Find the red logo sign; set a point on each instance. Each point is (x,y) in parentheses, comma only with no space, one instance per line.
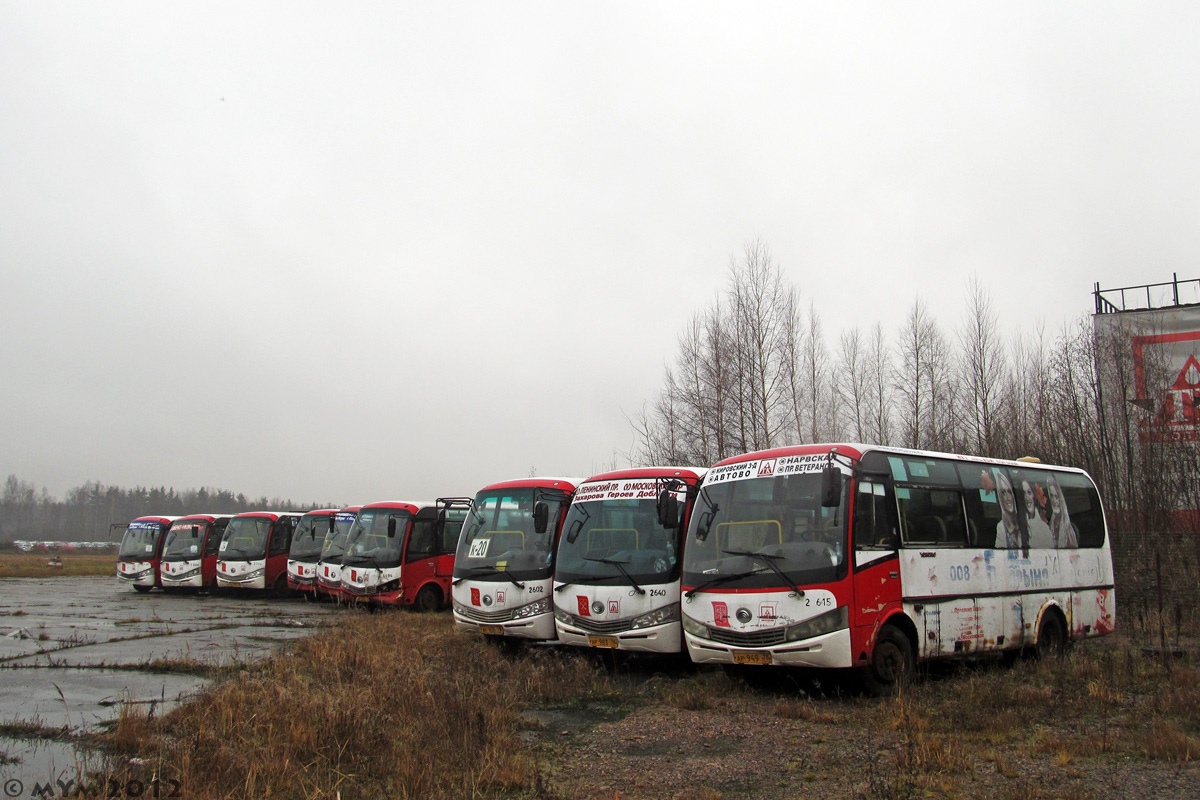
(766,468)
(720,613)
(614,606)
(584,611)
(474,597)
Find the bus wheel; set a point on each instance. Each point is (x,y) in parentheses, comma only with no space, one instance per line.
(281,587)
(892,662)
(428,599)
(139,588)
(1052,636)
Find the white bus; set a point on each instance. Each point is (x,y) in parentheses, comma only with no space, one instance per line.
(875,558)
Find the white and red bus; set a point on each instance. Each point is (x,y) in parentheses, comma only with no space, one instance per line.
(140,557)
(401,553)
(305,551)
(329,565)
(504,571)
(876,558)
(254,550)
(189,559)
(616,577)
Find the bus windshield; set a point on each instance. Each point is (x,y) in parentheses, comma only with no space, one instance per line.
(140,539)
(368,541)
(614,541)
(181,543)
(765,532)
(335,540)
(245,538)
(309,537)
(498,536)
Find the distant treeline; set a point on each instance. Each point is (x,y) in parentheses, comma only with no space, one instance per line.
(88,511)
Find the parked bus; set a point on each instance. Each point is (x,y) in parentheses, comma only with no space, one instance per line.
(329,566)
(876,558)
(189,559)
(401,553)
(254,550)
(616,578)
(305,552)
(140,557)
(505,564)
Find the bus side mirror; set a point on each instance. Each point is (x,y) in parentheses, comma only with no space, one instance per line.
(541,517)
(831,487)
(391,527)
(573,531)
(195,532)
(332,523)
(668,509)
(702,526)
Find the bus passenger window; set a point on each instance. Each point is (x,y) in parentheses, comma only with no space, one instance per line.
(871,526)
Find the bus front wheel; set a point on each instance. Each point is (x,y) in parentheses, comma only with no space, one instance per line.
(892,662)
(428,599)
(137,587)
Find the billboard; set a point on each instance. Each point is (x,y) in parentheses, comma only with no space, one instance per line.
(1152,358)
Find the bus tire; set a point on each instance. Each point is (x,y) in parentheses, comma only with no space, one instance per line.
(428,599)
(1052,636)
(139,588)
(892,662)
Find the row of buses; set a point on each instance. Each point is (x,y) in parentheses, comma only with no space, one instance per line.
(838,556)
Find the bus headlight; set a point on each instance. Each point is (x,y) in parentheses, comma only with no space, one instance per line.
(659,616)
(390,586)
(533,609)
(562,616)
(828,622)
(697,629)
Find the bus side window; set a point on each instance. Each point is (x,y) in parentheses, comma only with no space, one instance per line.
(871,525)
(421,541)
(948,510)
(983,509)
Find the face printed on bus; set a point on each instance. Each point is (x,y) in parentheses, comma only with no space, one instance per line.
(1030,500)
(1004,490)
(1056,499)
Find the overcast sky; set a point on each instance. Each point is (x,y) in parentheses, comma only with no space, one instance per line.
(346,252)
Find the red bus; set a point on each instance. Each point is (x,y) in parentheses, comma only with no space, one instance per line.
(254,551)
(189,559)
(505,563)
(616,578)
(876,558)
(305,551)
(140,556)
(401,553)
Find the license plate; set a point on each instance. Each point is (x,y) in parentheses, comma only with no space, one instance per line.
(491,630)
(603,641)
(751,657)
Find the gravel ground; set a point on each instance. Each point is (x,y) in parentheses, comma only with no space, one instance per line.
(768,743)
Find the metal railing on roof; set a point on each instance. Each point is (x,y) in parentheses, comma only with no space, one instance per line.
(1148,296)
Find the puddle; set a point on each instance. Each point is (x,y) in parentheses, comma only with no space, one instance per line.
(30,765)
(543,723)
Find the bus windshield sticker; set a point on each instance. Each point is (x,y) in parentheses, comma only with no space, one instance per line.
(902,493)
(918,469)
(898,471)
(479,548)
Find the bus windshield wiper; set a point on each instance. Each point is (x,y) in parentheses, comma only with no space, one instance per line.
(228,551)
(620,566)
(733,576)
(480,571)
(769,560)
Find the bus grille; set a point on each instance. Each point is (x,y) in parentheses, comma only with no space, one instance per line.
(755,639)
(597,626)
(485,616)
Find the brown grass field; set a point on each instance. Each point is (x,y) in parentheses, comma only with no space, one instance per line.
(401,705)
(15,564)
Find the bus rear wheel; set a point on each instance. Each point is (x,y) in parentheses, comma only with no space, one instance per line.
(1052,636)
(892,662)
(428,599)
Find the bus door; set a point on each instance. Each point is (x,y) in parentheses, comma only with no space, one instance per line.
(876,536)
(421,551)
(277,550)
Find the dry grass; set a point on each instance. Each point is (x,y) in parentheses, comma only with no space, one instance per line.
(385,705)
(33,565)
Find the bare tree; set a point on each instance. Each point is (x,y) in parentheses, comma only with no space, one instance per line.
(982,363)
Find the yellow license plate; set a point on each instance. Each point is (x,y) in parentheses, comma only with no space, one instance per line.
(603,641)
(491,630)
(751,657)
